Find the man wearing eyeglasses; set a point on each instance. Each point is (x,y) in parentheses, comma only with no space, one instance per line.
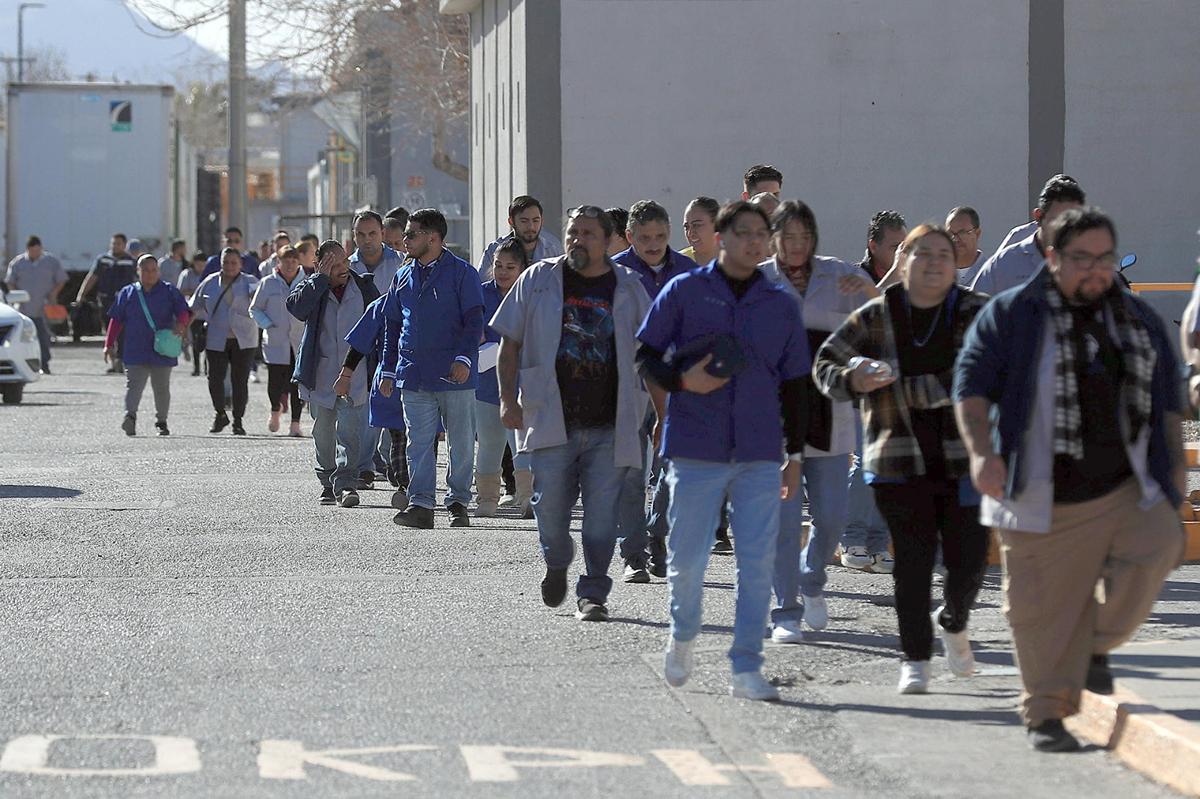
(568,330)
(963,224)
(432,329)
(1074,378)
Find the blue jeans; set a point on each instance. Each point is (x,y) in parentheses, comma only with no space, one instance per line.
(43,334)
(582,466)
(865,526)
(373,456)
(698,489)
(422,412)
(492,436)
(337,435)
(632,523)
(799,572)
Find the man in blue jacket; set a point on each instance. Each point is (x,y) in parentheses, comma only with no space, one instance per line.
(648,231)
(432,329)
(741,357)
(233,238)
(1068,397)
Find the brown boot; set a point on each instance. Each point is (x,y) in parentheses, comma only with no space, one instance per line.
(524,479)
(487,490)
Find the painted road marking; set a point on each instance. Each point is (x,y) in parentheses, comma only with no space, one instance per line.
(492,763)
(693,768)
(284,760)
(29,754)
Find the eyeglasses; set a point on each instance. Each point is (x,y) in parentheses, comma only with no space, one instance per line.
(412,234)
(958,234)
(586,211)
(1086,262)
(756,235)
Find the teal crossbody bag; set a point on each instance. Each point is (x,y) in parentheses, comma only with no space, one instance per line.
(166,342)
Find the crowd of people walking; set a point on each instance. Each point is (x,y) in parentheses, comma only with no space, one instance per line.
(747,394)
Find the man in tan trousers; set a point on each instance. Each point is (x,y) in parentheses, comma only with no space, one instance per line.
(1070,402)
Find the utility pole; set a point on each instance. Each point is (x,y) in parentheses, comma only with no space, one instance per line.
(21,38)
(237,114)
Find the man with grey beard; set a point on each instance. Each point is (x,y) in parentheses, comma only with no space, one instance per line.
(568,328)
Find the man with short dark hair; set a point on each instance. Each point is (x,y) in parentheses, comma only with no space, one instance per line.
(267,266)
(884,234)
(432,329)
(568,329)
(171,266)
(525,220)
(1026,229)
(393,234)
(1068,398)
(739,365)
(112,271)
(41,275)
(233,238)
(963,224)
(1016,263)
(761,178)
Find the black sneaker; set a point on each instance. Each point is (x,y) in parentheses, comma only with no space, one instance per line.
(129,425)
(415,516)
(220,422)
(658,557)
(723,546)
(591,610)
(635,572)
(1052,736)
(554,587)
(238,430)
(327,497)
(458,515)
(46,369)
(348,498)
(1099,676)
(162,428)
(366,478)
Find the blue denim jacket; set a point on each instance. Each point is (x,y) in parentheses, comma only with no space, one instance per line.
(998,362)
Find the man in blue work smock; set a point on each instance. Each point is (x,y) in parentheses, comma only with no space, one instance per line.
(738,369)
(432,329)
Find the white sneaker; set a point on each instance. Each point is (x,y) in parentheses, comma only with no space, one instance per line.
(957,647)
(914,677)
(882,563)
(816,612)
(678,664)
(856,558)
(939,574)
(787,631)
(752,685)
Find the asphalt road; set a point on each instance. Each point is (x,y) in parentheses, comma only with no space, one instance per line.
(181,618)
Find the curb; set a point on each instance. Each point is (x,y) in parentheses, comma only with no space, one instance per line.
(1160,746)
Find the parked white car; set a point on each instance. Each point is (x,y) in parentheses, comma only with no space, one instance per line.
(20,355)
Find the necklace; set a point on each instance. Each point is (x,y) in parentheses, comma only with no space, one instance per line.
(928,333)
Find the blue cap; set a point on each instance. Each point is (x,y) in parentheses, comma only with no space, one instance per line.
(135,245)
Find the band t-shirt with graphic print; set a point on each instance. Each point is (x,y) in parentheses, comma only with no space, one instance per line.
(586,364)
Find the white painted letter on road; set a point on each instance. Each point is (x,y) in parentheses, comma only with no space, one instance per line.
(693,768)
(29,754)
(493,764)
(285,760)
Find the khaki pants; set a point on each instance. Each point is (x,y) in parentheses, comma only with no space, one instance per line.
(1082,589)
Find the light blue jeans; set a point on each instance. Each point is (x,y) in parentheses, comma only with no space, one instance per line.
(799,572)
(632,532)
(865,526)
(492,436)
(582,466)
(456,411)
(373,456)
(698,489)
(337,435)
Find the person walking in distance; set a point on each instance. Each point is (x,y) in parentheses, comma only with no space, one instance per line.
(41,275)
(761,178)
(964,227)
(282,333)
(112,271)
(231,336)
(233,240)
(525,217)
(434,322)
(567,332)
(173,264)
(738,368)
(393,234)
(330,303)
(189,281)
(1068,397)
(699,228)
(827,290)
(142,311)
(617,243)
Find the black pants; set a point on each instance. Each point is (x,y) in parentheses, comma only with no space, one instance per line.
(238,361)
(919,514)
(397,468)
(279,382)
(506,469)
(199,330)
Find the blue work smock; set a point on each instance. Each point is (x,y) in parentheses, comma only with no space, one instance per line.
(431,323)
(741,421)
(675,264)
(489,381)
(366,338)
(166,305)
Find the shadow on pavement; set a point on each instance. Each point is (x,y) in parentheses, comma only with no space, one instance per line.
(37,492)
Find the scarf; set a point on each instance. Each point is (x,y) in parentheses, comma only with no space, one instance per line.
(1137,353)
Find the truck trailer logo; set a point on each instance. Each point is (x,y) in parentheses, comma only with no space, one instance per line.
(120,113)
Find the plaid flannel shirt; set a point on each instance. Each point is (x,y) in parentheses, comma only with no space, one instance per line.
(890,448)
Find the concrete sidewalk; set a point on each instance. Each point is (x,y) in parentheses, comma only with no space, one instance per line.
(1152,722)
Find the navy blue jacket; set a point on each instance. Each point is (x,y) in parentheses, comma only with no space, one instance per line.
(676,264)
(307,303)
(249,264)
(998,362)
